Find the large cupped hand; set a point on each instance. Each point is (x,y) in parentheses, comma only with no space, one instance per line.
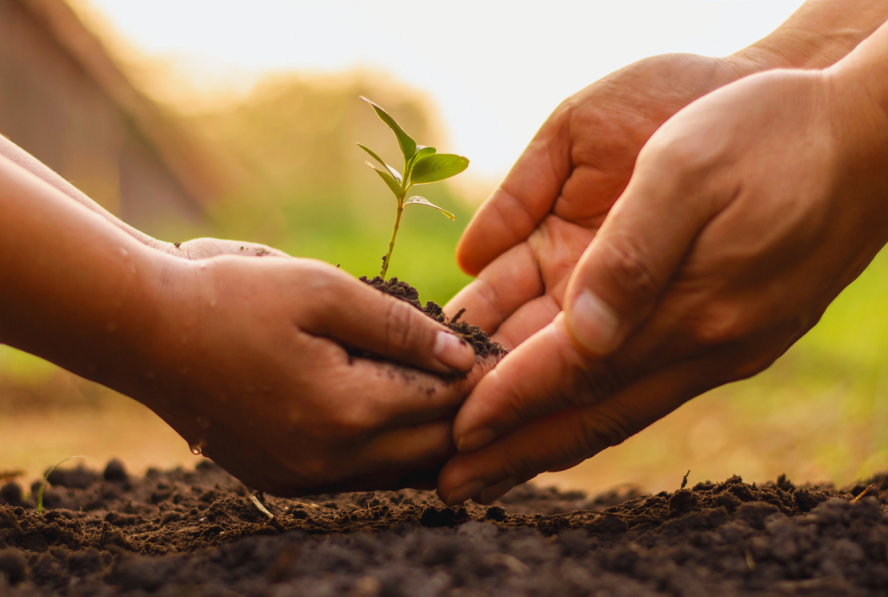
(747,214)
(527,238)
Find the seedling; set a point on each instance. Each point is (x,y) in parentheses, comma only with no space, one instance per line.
(422,165)
(46,476)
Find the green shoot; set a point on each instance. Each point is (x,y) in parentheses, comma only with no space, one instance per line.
(422,165)
(46,476)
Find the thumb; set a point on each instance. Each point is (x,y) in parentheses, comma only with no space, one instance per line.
(363,317)
(632,259)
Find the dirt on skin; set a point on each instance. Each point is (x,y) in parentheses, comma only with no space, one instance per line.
(483,345)
(198,533)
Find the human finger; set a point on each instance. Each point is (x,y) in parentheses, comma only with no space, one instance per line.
(522,200)
(362,317)
(393,396)
(404,457)
(535,379)
(510,281)
(409,448)
(622,273)
(574,434)
(529,319)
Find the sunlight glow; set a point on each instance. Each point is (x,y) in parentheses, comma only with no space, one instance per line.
(494,70)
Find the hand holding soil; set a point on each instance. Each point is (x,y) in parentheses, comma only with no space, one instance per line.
(253,371)
(747,213)
(244,357)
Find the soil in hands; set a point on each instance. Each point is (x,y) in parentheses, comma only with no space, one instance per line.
(198,533)
(483,345)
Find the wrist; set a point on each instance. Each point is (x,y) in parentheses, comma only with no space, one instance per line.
(858,101)
(790,51)
(817,36)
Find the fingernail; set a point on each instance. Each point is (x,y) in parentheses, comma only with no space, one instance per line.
(464,492)
(495,492)
(593,324)
(474,440)
(453,352)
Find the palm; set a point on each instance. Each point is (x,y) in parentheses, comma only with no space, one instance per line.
(527,238)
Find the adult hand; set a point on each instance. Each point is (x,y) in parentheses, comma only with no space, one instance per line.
(525,241)
(249,365)
(747,214)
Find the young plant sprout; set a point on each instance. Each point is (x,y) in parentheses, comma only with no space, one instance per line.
(422,165)
(46,476)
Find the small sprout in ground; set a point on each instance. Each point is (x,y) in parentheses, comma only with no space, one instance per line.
(863,493)
(422,165)
(256,498)
(684,481)
(46,476)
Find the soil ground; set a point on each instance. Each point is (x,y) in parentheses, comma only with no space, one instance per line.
(198,533)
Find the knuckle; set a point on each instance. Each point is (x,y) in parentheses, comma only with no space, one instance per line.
(629,269)
(323,289)
(683,158)
(719,324)
(351,422)
(402,328)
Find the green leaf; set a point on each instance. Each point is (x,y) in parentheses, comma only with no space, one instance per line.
(417,200)
(437,167)
(392,171)
(389,180)
(373,155)
(421,152)
(408,145)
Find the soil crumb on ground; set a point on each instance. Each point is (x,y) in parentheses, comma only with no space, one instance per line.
(483,345)
(198,533)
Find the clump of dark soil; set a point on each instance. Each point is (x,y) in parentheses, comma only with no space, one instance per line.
(483,345)
(198,533)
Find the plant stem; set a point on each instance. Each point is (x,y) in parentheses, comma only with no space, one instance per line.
(388,256)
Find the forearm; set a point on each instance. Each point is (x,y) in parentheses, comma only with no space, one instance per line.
(817,35)
(858,87)
(31,164)
(75,290)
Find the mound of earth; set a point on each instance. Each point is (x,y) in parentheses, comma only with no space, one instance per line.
(199,533)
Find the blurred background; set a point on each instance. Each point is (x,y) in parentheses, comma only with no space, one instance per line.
(208,117)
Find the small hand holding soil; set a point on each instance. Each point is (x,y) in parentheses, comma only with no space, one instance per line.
(248,364)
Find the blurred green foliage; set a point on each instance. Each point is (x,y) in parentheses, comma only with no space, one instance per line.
(307,190)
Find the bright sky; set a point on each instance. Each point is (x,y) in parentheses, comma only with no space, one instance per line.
(495,69)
